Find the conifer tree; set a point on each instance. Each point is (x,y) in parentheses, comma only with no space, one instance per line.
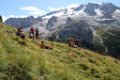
(0,18)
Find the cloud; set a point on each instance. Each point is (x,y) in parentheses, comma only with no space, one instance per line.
(32,10)
(69,7)
(12,16)
(21,16)
(54,9)
(73,5)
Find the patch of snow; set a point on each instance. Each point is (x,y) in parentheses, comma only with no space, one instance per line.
(64,12)
(101,4)
(104,19)
(68,12)
(117,11)
(72,6)
(99,13)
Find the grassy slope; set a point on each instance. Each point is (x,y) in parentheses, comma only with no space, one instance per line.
(29,62)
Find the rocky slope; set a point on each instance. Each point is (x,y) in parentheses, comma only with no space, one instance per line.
(21,22)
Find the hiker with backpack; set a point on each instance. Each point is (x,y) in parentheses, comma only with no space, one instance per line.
(37,33)
(31,34)
(22,35)
(19,31)
(73,43)
(44,46)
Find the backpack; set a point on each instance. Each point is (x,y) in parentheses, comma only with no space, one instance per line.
(31,35)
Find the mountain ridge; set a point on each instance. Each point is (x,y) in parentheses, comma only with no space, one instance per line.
(89,7)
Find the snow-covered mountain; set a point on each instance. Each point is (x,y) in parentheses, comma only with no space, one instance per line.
(87,23)
(104,14)
(98,12)
(90,9)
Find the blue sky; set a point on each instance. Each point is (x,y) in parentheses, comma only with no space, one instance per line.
(22,8)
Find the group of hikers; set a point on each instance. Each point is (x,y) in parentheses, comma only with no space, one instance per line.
(73,42)
(34,33)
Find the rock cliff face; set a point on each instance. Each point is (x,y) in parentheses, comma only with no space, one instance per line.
(80,30)
(21,22)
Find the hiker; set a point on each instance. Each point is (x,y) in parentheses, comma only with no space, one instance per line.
(19,32)
(72,43)
(43,46)
(77,42)
(31,34)
(22,35)
(37,33)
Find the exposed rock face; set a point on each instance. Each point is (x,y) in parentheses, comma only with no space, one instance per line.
(51,22)
(107,9)
(90,9)
(21,22)
(80,31)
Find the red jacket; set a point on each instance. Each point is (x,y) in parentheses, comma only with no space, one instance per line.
(32,29)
